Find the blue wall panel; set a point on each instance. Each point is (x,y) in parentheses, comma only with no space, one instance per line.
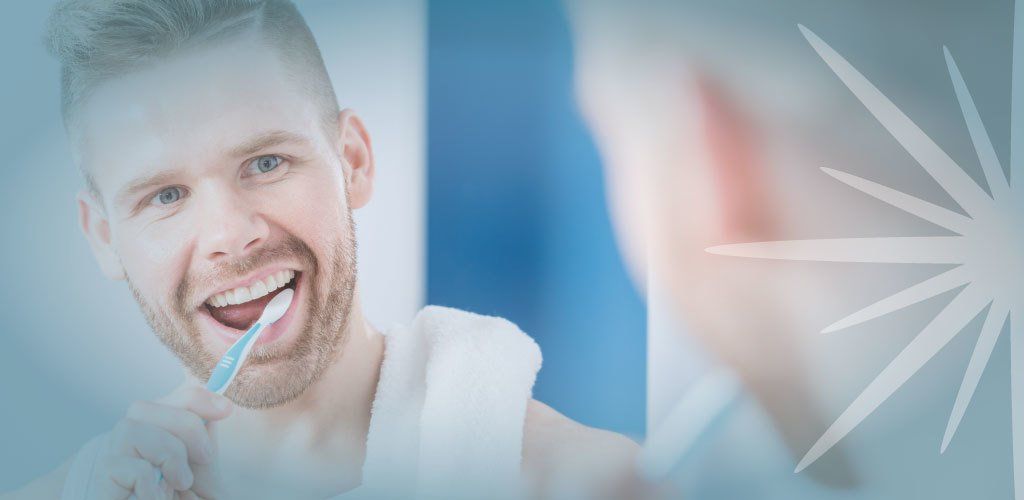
(517,222)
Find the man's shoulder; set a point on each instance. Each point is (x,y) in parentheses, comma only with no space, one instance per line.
(50,485)
(549,432)
(564,456)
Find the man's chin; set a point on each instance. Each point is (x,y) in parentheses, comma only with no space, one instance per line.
(272,384)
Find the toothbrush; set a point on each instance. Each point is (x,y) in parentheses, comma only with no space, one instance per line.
(232,360)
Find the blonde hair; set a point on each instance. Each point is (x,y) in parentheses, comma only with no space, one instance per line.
(99,39)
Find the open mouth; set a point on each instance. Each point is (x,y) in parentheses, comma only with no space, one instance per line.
(240,307)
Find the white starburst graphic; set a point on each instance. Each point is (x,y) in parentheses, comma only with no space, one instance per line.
(988,251)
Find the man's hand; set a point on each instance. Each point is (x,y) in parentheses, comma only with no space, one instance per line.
(171,436)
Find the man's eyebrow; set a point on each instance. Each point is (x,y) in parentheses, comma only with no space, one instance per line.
(144,183)
(266,140)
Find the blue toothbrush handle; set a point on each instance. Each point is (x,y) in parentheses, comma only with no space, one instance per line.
(227,367)
(225,371)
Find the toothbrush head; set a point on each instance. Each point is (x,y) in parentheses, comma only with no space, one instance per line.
(276,307)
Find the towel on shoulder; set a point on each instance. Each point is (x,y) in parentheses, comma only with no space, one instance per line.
(451,402)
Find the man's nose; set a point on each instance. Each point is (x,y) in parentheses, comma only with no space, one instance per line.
(230,228)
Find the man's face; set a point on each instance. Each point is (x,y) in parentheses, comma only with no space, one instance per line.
(219,182)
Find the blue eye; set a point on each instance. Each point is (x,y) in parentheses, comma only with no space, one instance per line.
(168,196)
(265,164)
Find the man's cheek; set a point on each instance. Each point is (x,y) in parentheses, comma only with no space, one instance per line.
(153,275)
(321,221)
(162,242)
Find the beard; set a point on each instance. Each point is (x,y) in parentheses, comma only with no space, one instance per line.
(272,375)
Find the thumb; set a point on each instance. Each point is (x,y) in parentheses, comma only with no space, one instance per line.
(208,405)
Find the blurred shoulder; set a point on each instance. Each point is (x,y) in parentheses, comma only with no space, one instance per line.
(50,485)
(562,457)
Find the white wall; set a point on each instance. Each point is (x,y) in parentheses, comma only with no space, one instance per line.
(376,55)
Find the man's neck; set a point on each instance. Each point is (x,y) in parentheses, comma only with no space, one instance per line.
(340,400)
(327,425)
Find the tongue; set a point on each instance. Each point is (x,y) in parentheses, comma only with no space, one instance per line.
(242,316)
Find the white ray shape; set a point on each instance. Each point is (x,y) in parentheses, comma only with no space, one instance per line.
(929,155)
(979,135)
(924,290)
(1017,102)
(990,331)
(964,307)
(998,245)
(887,250)
(915,206)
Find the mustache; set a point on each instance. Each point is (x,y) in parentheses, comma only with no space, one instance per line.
(291,247)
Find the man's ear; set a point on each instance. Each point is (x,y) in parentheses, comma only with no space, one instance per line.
(97,231)
(744,195)
(357,152)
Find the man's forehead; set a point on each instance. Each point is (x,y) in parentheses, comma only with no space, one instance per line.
(195,105)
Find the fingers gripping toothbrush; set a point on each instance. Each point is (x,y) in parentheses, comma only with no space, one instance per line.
(232,361)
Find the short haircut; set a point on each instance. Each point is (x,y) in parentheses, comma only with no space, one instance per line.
(98,39)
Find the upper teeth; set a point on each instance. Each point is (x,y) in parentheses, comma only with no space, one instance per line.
(244,294)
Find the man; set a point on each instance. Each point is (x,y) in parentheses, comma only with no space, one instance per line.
(686,171)
(219,171)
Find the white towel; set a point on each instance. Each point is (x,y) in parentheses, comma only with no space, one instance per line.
(447,419)
(450,407)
